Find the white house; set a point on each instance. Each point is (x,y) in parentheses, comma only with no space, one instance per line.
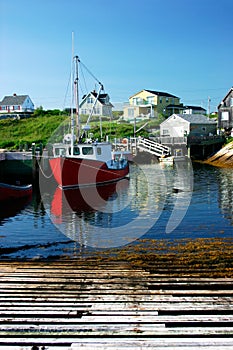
(16,104)
(180,125)
(193,110)
(102,106)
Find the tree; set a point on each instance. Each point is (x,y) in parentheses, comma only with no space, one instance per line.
(38,112)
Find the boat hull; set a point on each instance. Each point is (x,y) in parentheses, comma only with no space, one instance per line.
(10,192)
(75,172)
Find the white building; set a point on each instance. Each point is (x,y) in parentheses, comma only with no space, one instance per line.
(16,104)
(102,106)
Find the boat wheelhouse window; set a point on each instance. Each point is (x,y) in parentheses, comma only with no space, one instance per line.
(60,151)
(99,151)
(76,151)
(87,150)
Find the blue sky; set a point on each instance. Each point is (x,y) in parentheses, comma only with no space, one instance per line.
(182,47)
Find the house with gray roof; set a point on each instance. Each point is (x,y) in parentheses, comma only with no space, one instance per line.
(180,125)
(16,104)
(190,134)
(102,106)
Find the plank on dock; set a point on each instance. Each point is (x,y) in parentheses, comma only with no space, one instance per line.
(111,306)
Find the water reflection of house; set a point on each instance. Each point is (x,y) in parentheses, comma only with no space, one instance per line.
(190,133)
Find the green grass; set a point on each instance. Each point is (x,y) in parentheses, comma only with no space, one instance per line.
(15,134)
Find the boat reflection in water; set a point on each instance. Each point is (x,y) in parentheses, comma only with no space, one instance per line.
(11,208)
(88,215)
(111,215)
(83,200)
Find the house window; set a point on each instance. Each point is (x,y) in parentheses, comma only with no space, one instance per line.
(150,99)
(165,132)
(231,102)
(160,100)
(90,100)
(130,112)
(225,116)
(167,99)
(137,101)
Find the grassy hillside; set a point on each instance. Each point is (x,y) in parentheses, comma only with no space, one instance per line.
(14,133)
(17,133)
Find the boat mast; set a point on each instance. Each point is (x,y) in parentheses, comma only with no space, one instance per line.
(76,92)
(72,98)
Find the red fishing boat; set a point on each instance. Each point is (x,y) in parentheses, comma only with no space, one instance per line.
(11,192)
(85,161)
(88,165)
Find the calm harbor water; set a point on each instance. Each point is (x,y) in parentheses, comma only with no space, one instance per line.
(159,202)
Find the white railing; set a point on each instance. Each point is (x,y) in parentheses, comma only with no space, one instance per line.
(152,147)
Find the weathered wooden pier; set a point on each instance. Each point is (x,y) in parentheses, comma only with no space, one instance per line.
(83,304)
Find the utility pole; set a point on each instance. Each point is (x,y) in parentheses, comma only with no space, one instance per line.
(209,106)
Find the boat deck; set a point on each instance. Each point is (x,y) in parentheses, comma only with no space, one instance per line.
(72,304)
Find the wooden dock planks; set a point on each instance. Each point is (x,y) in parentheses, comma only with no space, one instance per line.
(88,305)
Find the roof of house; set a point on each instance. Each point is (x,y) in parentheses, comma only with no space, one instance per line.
(191,118)
(195,118)
(160,93)
(101,98)
(228,93)
(197,108)
(100,95)
(171,106)
(13,100)
(157,93)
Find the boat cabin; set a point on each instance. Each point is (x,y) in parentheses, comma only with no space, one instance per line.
(94,151)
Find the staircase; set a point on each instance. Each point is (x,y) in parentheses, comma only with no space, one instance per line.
(152,147)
